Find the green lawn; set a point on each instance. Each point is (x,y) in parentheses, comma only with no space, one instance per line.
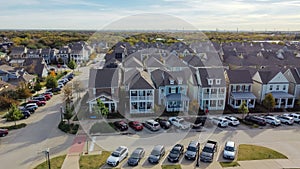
(177,166)
(102,127)
(253,152)
(55,162)
(93,161)
(229,164)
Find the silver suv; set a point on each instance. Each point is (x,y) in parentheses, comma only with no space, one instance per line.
(117,156)
(220,121)
(192,150)
(296,117)
(152,125)
(233,121)
(286,119)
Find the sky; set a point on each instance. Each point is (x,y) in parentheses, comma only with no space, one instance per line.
(248,15)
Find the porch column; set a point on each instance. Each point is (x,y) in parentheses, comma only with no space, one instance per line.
(293,102)
(234,103)
(286,102)
(109,107)
(278,106)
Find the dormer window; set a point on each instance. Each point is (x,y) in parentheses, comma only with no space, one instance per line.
(171,81)
(180,81)
(218,81)
(210,81)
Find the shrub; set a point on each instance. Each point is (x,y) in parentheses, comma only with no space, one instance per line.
(14,127)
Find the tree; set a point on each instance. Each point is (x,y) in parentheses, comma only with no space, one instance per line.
(243,108)
(72,64)
(51,82)
(14,114)
(269,102)
(78,87)
(6,102)
(68,94)
(103,109)
(194,106)
(23,90)
(68,114)
(37,86)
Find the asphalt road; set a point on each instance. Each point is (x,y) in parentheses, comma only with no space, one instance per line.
(23,148)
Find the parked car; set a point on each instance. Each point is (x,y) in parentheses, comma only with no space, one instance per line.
(229,150)
(47,96)
(31,105)
(41,98)
(152,125)
(198,123)
(38,102)
(296,117)
(3,132)
(208,152)
(53,90)
(233,121)
(176,153)
(136,157)
(156,154)
(220,121)
(165,124)
(179,122)
(272,120)
(30,109)
(117,156)
(286,119)
(256,119)
(192,150)
(121,125)
(137,126)
(60,85)
(26,114)
(48,93)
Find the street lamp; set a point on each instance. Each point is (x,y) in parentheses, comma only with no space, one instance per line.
(61,113)
(47,155)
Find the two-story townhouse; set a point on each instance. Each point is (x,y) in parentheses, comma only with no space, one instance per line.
(33,53)
(141,93)
(274,82)
(18,52)
(63,55)
(46,54)
(8,72)
(104,85)
(293,76)
(212,88)
(171,90)
(239,88)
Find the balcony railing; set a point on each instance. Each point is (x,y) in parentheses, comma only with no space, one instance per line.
(209,96)
(135,98)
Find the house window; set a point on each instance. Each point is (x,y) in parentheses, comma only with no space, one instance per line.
(218,81)
(284,87)
(173,90)
(277,87)
(210,81)
(171,81)
(271,87)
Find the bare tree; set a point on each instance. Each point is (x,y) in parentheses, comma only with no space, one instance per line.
(68,94)
(78,87)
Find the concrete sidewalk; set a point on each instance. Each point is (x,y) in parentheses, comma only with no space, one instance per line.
(268,164)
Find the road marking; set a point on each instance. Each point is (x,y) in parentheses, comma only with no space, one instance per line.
(92,145)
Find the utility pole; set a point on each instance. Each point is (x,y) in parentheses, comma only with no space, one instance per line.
(47,155)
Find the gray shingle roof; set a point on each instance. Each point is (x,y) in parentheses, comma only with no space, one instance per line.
(141,80)
(266,76)
(239,76)
(211,73)
(104,78)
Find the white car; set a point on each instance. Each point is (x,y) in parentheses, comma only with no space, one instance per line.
(296,117)
(286,119)
(117,156)
(229,150)
(34,105)
(233,121)
(272,120)
(220,121)
(179,122)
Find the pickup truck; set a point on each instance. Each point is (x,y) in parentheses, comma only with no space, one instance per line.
(179,122)
(208,151)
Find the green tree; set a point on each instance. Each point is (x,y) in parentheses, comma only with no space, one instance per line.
(72,64)
(14,114)
(37,86)
(269,102)
(102,108)
(243,109)
(51,82)
(68,114)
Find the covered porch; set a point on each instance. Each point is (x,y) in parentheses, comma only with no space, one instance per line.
(107,101)
(283,100)
(237,98)
(177,102)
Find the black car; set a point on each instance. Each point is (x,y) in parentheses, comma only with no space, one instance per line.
(30,109)
(156,154)
(26,114)
(199,122)
(165,124)
(256,119)
(121,125)
(176,153)
(136,156)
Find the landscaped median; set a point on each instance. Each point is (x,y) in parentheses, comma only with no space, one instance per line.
(56,163)
(14,127)
(248,152)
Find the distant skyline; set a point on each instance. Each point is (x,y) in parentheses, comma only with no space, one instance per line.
(245,15)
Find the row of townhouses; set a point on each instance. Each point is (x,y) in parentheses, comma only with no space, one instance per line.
(135,79)
(77,51)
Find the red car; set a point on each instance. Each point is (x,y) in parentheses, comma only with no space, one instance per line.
(47,96)
(137,126)
(3,132)
(38,102)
